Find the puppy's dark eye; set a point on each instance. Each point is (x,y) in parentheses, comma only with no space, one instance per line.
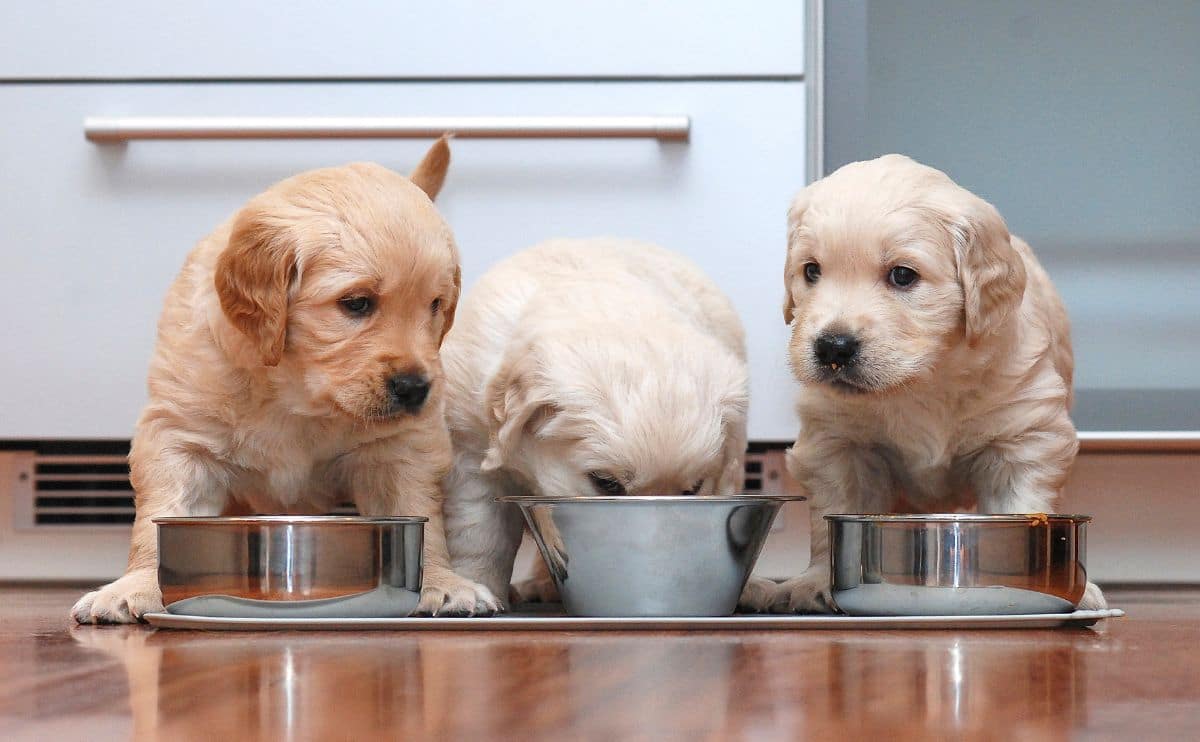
(606,484)
(902,276)
(435,306)
(812,272)
(357,306)
(695,489)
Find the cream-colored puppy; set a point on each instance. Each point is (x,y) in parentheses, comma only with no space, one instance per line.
(934,354)
(587,366)
(297,366)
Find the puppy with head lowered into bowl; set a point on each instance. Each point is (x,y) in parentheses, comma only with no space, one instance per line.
(933,352)
(297,365)
(582,367)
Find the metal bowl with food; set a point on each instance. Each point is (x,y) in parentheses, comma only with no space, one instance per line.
(281,566)
(669,555)
(957,564)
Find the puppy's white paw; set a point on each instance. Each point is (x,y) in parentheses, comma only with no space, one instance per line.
(1093,599)
(534,590)
(757,596)
(808,593)
(447,594)
(124,601)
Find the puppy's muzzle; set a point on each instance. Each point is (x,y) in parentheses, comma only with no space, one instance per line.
(407,392)
(836,350)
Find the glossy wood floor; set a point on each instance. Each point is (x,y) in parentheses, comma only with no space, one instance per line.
(1136,678)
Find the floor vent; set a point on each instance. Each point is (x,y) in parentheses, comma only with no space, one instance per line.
(766,472)
(73,489)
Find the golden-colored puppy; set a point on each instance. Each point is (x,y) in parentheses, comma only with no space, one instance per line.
(297,366)
(934,353)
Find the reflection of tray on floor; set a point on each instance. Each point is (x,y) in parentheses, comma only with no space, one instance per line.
(550,620)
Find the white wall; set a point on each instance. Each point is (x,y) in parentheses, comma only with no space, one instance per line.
(1077,119)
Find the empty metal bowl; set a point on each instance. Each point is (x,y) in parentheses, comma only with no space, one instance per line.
(298,566)
(961,565)
(650,555)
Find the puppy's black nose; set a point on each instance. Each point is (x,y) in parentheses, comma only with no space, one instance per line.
(408,391)
(835,350)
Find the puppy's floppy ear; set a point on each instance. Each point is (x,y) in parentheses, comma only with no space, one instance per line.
(516,406)
(990,270)
(253,275)
(430,173)
(452,301)
(791,267)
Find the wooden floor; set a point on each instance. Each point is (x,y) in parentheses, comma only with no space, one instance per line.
(1136,678)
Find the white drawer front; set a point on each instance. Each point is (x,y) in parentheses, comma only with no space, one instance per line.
(93,234)
(232,39)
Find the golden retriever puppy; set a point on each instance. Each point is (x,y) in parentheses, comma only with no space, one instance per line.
(297,366)
(934,356)
(579,367)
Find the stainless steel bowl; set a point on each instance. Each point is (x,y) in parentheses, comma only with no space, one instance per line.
(648,555)
(277,566)
(963,565)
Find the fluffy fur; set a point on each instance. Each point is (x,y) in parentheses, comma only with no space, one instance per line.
(587,356)
(268,394)
(960,391)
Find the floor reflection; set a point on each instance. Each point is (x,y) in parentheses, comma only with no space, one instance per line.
(678,686)
(458,685)
(263,685)
(958,684)
(464,685)
(928,684)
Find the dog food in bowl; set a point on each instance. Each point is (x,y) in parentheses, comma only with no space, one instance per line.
(956,564)
(671,555)
(290,566)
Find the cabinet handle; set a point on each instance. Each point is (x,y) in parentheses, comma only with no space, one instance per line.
(106,129)
(1129,441)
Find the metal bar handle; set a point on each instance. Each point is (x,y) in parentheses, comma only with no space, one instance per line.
(1134,441)
(108,129)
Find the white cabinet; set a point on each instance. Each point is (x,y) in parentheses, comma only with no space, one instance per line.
(378,39)
(94,233)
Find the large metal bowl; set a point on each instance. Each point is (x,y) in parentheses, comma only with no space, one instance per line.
(279,566)
(650,555)
(924,565)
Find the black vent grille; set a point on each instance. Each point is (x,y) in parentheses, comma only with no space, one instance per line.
(766,470)
(754,473)
(81,490)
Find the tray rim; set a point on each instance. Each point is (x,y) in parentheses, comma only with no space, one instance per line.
(538,622)
(757,498)
(288,520)
(953,518)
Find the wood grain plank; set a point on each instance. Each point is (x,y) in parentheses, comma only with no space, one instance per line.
(1137,677)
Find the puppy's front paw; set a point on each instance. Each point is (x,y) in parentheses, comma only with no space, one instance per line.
(124,601)
(757,596)
(808,593)
(1093,599)
(447,594)
(534,590)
